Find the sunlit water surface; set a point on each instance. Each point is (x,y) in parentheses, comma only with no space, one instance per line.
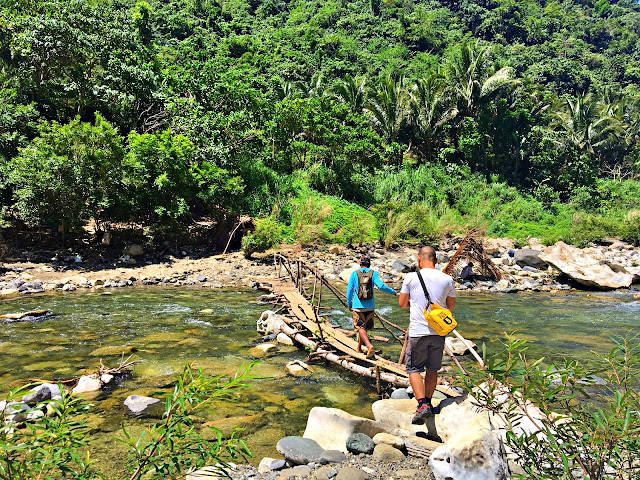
(215,329)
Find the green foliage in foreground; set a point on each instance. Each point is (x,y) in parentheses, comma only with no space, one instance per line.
(57,447)
(585,430)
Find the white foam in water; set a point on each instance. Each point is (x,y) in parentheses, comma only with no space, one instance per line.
(198,322)
(174,308)
(385,310)
(336,312)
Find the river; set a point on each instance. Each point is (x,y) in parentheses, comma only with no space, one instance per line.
(214,329)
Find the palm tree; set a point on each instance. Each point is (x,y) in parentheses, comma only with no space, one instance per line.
(284,90)
(431,110)
(314,87)
(352,91)
(588,123)
(473,81)
(388,108)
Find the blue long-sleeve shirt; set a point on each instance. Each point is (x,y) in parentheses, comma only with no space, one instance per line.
(352,290)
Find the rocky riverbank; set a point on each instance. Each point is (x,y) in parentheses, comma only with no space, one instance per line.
(535,268)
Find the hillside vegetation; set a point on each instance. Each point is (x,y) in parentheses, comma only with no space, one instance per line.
(331,120)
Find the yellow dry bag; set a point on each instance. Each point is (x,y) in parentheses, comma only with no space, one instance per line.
(439,318)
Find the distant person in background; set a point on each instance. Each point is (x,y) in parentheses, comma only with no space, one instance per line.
(361,302)
(467,274)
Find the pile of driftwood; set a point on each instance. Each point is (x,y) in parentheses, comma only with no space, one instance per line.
(471,249)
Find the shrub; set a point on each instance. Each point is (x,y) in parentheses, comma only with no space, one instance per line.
(631,227)
(584,430)
(587,228)
(267,234)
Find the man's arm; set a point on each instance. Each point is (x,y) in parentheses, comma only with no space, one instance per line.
(377,281)
(351,288)
(403,300)
(451,303)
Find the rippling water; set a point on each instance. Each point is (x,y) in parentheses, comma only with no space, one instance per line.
(166,328)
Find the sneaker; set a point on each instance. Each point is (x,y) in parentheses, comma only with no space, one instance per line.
(422,413)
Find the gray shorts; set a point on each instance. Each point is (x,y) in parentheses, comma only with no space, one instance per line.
(424,353)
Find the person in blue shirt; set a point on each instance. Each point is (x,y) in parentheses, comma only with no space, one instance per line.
(361,302)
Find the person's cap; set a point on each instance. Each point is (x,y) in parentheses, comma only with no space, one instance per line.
(365,261)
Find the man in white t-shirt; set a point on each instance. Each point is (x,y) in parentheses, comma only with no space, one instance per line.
(424,345)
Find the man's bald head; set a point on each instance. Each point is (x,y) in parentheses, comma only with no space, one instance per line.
(427,254)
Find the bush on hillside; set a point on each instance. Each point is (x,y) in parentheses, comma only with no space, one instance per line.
(631,227)
(267,234)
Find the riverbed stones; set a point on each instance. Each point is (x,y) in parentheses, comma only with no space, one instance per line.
(351,473)
(360,443)
(142,406)
(332,456)
(299,450)
(332,427)
(299,471)
(269,323)
(388,439)
(41,393)
(268,464)
(87,383)
(584,268)
(387,453)
(324,473)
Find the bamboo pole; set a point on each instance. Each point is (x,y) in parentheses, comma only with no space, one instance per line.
(471,349)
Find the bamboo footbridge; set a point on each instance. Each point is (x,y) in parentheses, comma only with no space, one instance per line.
(298,290)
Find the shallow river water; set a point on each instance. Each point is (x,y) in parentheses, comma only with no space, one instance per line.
(214,329)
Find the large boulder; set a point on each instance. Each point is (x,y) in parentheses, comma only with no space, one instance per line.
(583,268)
(395,415)
(474,453)
(87,383)
(528,257)
(133,250)
(299,451)
(331,427)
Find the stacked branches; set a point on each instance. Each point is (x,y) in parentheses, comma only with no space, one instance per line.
(472,249)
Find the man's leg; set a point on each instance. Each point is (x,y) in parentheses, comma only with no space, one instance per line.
(430,382)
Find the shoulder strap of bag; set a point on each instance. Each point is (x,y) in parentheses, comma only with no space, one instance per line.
(424,288)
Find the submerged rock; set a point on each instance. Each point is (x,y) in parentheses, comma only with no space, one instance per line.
(32,316)
(298,368)
(142,406)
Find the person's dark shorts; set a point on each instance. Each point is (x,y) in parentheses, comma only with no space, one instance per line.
(363,320)
(424,353)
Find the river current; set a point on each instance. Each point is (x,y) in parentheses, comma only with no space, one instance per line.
(214,329)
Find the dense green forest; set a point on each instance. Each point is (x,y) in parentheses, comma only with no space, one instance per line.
(328,120)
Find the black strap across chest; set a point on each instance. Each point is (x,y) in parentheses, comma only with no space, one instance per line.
(424,288)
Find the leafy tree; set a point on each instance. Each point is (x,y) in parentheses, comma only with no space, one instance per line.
(68,174)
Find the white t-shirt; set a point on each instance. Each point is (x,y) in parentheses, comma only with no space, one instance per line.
(439,285)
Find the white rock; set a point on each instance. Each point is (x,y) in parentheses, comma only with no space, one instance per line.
(284,339)
(142,406)
(457,346)
(269,323)
(346,273)
(268,464)
(474,453)
(330,427)
(87,383)
(388,439)
(106,378)
(69,287)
